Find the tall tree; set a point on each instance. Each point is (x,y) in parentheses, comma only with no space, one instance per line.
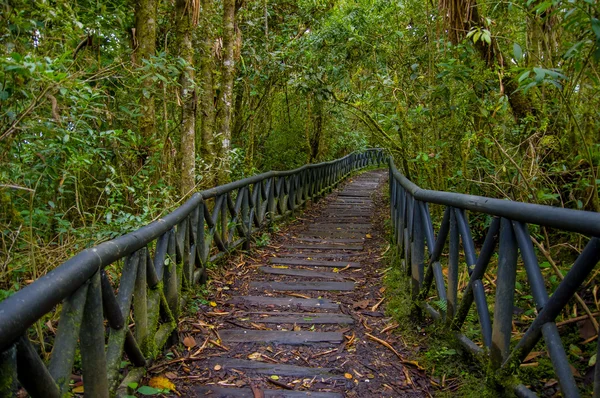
(144,43)
(187,16)
(227,76)
(207,101)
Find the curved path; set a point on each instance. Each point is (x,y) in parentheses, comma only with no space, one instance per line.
(303,316)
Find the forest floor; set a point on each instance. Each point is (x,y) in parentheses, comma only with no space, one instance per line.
(302,316)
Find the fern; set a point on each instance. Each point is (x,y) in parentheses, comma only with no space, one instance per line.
(442,305)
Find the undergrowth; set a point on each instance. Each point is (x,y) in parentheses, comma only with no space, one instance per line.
(450,368)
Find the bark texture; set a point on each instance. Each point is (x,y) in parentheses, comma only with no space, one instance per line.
(188,97)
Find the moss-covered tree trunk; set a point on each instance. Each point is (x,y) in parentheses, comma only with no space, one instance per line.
(188,96)
(207,101)
(144,44)
(227,75)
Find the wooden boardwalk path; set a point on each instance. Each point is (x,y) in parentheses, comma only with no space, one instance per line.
(300,318)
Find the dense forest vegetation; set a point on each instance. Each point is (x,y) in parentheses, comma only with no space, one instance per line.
(113,111)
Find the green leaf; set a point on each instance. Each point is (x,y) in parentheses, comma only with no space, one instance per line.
(517,52)
(592,361)
(524,75)
(575,350)
(147,390)
(133,385)
(596,27)
(540,74)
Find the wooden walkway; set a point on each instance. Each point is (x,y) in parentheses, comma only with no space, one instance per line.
(297,320)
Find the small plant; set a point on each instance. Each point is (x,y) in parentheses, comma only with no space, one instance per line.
(145,390)
(263,240)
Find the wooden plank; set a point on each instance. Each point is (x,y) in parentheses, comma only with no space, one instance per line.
(303,286)
(223,392)
(280,337)
(307,253)
(330,240)
(325,247)
(333,234)
(335,226)
(305,318)
(257,367)
(303,273)
(287,302)
(314,263)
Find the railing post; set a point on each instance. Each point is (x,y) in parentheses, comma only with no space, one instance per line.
(246,216)
(417,250)
(452,268)
(65,344)
(505,294)
(32,372)
(93,356)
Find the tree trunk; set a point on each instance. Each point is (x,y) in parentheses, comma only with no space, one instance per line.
(207,99)
(315,138)
(184,16)
(144,42)
(462,16)
(227,75)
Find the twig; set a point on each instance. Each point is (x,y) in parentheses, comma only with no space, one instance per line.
(374,308)
(279,384)
(560,275)
(389,346)
(576,319)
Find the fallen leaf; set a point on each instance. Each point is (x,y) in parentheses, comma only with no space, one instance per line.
(368,236)
(189,342)
(274,377)
(361,304)
(213,304)
(78,390)
(532,355)
(347,376)
(161,383)
(257,356)
(218,367)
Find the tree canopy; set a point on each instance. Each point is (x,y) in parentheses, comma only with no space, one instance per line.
(114,111)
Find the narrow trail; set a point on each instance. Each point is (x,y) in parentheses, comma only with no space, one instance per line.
(304,316)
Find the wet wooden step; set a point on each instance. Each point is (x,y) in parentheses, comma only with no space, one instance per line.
(307,253)
(330,240)
(325,247)
(280,337)
(303,286)
(306,318)
(302,273)
(314,263)
(257,367)
(286,302)
(223,392)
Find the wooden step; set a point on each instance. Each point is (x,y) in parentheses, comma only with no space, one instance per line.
(280,337)
(257,367)
(305,318)
(329,240)
(333,234)
(325,247)
(307,253)
(314,263)
(303,273)
(223,392)
(303,286)
(287,302)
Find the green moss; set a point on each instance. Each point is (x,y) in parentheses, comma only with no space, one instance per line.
(8,372)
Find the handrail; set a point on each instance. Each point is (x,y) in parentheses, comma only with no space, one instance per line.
(207,226)
(413,232)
